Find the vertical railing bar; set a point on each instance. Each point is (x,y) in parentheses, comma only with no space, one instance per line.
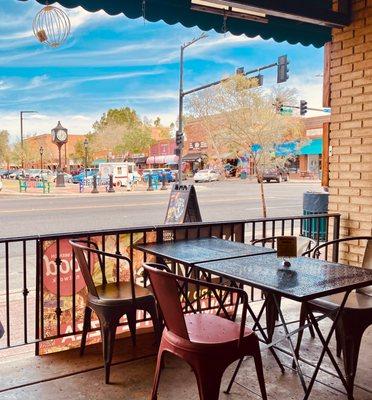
(73,292)
(37,297)
(283,227)
(25,291)
(7,302)
(232,232)
(253,231)
(41,245)
(310,228)
(327,238)
(292,226)
(273,234)
(317,230)
(117,250)
(58,308)
(336,235)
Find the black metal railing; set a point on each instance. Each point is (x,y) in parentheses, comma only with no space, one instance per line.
(42,292)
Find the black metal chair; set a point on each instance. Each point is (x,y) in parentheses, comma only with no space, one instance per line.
(111,300)
(304,245)
(355,318)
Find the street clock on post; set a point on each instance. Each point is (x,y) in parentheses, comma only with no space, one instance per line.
(59,137)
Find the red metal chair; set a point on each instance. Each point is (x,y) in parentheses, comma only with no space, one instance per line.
(208,343)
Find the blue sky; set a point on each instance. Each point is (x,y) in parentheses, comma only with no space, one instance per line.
(115,61)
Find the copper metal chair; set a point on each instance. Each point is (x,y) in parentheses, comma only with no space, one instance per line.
(111,300)
(304,245)
(208,343)
(355,318)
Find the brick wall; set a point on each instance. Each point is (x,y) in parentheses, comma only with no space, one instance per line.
(350,180)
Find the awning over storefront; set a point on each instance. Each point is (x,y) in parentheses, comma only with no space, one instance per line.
(293,21)
(313,147)
(192,157)
(286,149)
(139,160)
(170,159)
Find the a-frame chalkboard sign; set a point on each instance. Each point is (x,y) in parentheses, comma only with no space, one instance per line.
(183,205)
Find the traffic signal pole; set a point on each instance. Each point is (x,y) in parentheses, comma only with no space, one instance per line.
(179,134)
(225,79)
(282,77)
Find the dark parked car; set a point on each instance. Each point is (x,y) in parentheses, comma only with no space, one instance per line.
(275,174)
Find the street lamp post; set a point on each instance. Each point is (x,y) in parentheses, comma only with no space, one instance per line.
(21,122)
(41,151)
(86,143)
(180,135)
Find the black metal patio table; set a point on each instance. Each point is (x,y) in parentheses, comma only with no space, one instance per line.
(202,250)
(306,279)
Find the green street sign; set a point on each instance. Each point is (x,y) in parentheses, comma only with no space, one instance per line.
(286,111)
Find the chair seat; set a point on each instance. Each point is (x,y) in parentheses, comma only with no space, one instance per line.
(121,291)
(212,329)
(354,301)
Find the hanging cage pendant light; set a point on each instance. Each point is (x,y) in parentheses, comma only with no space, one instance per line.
(51,26)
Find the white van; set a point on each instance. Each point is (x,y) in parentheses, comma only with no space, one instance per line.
(123,173)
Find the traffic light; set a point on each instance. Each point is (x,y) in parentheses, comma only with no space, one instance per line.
(303,107)
(179,139)
(283,70)
(239,71)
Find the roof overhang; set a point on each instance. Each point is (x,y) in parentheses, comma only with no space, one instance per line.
(294,21)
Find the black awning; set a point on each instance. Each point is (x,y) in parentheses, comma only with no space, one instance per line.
(293,21)
(194,157)
(138,160)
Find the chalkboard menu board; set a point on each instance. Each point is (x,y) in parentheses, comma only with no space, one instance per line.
(183,205)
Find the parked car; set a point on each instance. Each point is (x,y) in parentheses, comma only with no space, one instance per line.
(158,173)
(4,173)
(274,174)
(38,174)
(18,173)
(80,177)
(207,175)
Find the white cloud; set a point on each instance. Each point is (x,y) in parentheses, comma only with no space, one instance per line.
(4,85)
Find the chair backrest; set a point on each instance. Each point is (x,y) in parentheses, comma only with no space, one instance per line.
(166,290)
(367,263)
(83,250)
(304,244)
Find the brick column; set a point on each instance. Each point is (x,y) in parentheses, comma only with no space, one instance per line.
(350,162)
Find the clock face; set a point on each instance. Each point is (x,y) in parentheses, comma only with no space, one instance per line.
(61,135)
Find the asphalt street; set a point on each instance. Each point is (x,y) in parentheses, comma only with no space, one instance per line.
(24,215)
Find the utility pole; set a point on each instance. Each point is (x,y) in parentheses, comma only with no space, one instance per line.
(179,134)
(21,121)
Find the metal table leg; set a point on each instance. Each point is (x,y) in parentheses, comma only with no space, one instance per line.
(288,337)
(325,343)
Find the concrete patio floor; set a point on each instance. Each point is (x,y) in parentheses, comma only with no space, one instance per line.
(66,375)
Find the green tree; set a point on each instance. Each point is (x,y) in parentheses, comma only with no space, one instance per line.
(5,150)
(135,140)
(157,122)
(79,149)
(117,116)
(237,118)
